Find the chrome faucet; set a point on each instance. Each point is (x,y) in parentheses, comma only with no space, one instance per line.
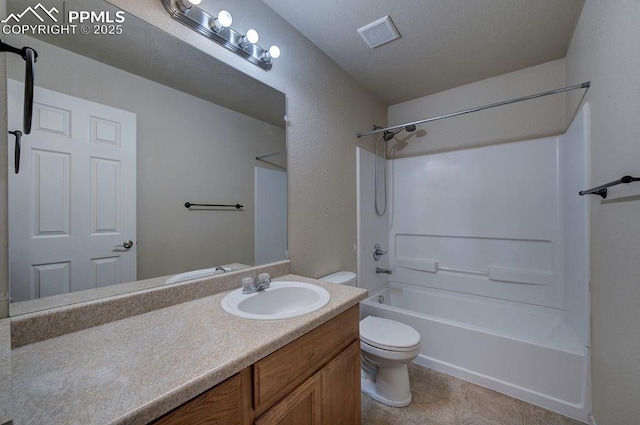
(249,286)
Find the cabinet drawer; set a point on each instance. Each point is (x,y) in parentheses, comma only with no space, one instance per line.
(282,371)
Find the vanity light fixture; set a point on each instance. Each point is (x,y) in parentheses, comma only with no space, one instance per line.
(219,29)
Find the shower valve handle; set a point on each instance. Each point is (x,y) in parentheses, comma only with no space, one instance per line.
(378,252)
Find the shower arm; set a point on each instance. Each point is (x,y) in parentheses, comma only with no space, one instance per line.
(584,85)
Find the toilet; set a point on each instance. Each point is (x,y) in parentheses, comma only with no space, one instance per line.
(387,348)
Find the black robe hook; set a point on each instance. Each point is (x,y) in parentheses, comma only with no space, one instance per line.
(16,152)
(30,56)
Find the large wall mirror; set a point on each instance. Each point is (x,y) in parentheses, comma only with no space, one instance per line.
(127,128)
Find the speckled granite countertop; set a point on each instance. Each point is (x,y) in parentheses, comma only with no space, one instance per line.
(134,370)
(6,413)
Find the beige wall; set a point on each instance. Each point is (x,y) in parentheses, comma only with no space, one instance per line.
(187,150)
(522,121)
(326,108)
(605,50)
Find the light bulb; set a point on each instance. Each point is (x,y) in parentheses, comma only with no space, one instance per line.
(185,5)
(249,39)
(223,20)
(252,36)
(274,52)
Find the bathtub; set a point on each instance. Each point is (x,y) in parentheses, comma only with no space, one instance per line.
(524,351)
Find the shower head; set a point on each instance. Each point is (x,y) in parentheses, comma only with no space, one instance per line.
(388,135)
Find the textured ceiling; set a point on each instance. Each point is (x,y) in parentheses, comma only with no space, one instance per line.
(444,43)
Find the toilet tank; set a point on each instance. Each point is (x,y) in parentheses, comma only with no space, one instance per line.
(343,278)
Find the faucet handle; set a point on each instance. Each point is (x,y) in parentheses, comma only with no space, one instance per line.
(264,279)
(247,284)
(378,252)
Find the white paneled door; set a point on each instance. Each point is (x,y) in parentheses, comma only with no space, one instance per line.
(72,206)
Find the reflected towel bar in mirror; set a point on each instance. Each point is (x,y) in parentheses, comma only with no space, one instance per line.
(236,206)
(602,190)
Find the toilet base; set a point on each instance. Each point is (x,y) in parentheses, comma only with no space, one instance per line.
(391,386)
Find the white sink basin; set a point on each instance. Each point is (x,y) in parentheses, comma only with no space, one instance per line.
(282,300)
(194,274)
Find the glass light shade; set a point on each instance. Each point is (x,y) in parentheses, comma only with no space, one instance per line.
(196,2)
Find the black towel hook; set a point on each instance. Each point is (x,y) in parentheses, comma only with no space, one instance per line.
(30,56)
(16,152)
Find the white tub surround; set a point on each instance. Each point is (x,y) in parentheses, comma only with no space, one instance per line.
(489,255)
(527,352)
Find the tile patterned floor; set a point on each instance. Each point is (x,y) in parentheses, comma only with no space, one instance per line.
(440,399)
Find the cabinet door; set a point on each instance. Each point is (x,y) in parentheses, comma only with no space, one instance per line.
(301,407)
(228,403)
(341,388)
(279,373)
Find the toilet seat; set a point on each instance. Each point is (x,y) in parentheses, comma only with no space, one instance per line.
(388,334)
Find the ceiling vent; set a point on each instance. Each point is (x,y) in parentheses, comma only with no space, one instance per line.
(379,32)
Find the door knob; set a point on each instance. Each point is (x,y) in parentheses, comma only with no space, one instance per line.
(126,244)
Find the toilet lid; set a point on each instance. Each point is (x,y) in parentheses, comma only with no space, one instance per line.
(388,334)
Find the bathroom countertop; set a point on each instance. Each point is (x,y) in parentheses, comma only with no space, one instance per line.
(5,372)
(136,369)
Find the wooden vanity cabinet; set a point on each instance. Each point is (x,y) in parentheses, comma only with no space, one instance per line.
(313,380)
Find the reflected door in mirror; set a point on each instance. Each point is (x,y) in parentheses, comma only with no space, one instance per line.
(74,201)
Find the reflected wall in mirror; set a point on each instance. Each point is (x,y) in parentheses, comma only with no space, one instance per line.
(127,128)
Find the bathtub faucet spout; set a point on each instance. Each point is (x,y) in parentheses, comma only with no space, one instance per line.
(379,271)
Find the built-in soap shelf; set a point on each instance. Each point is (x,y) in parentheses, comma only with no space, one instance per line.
(499,274)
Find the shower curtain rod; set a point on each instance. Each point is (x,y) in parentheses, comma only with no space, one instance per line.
(261,159)
(584,85)
(270,154)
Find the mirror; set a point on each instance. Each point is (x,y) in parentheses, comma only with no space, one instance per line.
(129,124)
